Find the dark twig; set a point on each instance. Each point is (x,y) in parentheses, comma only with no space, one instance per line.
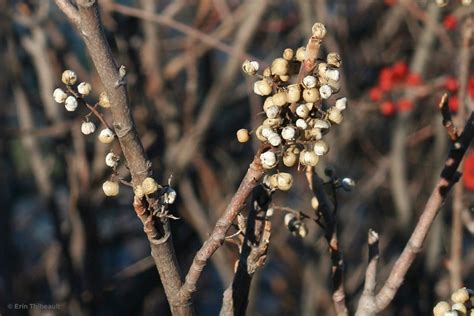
(447,118)
(252,254)
(326,208)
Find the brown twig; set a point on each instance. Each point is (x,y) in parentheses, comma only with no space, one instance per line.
(449,176)
(157,231)
(367,306)
(250,180)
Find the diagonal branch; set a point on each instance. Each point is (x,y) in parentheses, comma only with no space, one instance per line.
(449,176)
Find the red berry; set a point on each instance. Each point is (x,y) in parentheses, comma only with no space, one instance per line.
(453,103)
(375,94)
(387,108)
(450,22)
(468,171)
(413,79)
(405,105)
(400,70)
(390,2)
(451,84)
(386,79)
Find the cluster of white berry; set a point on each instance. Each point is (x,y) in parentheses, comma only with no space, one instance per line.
(463,300)
(72,98)
(296,119)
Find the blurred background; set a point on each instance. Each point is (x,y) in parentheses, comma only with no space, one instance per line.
(63,242)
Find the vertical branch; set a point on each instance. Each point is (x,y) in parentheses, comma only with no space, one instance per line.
(455,268)
(398,167)
(367,306)
(158,231)
(252,254)
(327,211)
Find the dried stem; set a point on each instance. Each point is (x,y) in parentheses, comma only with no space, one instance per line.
(326,209)
(449,176)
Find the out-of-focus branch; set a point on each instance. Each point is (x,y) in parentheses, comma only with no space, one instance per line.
(449,176)
(252,253)
(398,166)
(455,264)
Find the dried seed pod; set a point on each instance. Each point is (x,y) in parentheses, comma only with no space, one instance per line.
(258,133)
(250,67)
(288,54)
(293,94)
(347,184)
(267,103)
(110,188)
(325,91)
(309,105)
(321,124)
(138,191)
(169,196)
(279,67)
(149,186)
(59,95)
(268,159)
(301,53)
(341,104)
(289,158)
(289,217)
(272,181)
(84,88)
(302,111)
(106,136)
(71,103)
(319,30)
(104,100)
(262,87)
(332,74)
(460,295)
(302,231)
(112,160)
(267,72)
(321,148)
(272,111)
(460,308)
(288,133)
(334,115)
(284,78)
(272,122)
(322,67)
(279,98)
(308,158)
(243,135)
(310,82)
(441,308)
(313,133)
(274,139)
(334,59)
(69,77)
(311,95)
(300,123)
(87,128)
(284,181)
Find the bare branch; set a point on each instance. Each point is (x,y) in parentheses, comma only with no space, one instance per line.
(449,176)
(367,306)
(69,10)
